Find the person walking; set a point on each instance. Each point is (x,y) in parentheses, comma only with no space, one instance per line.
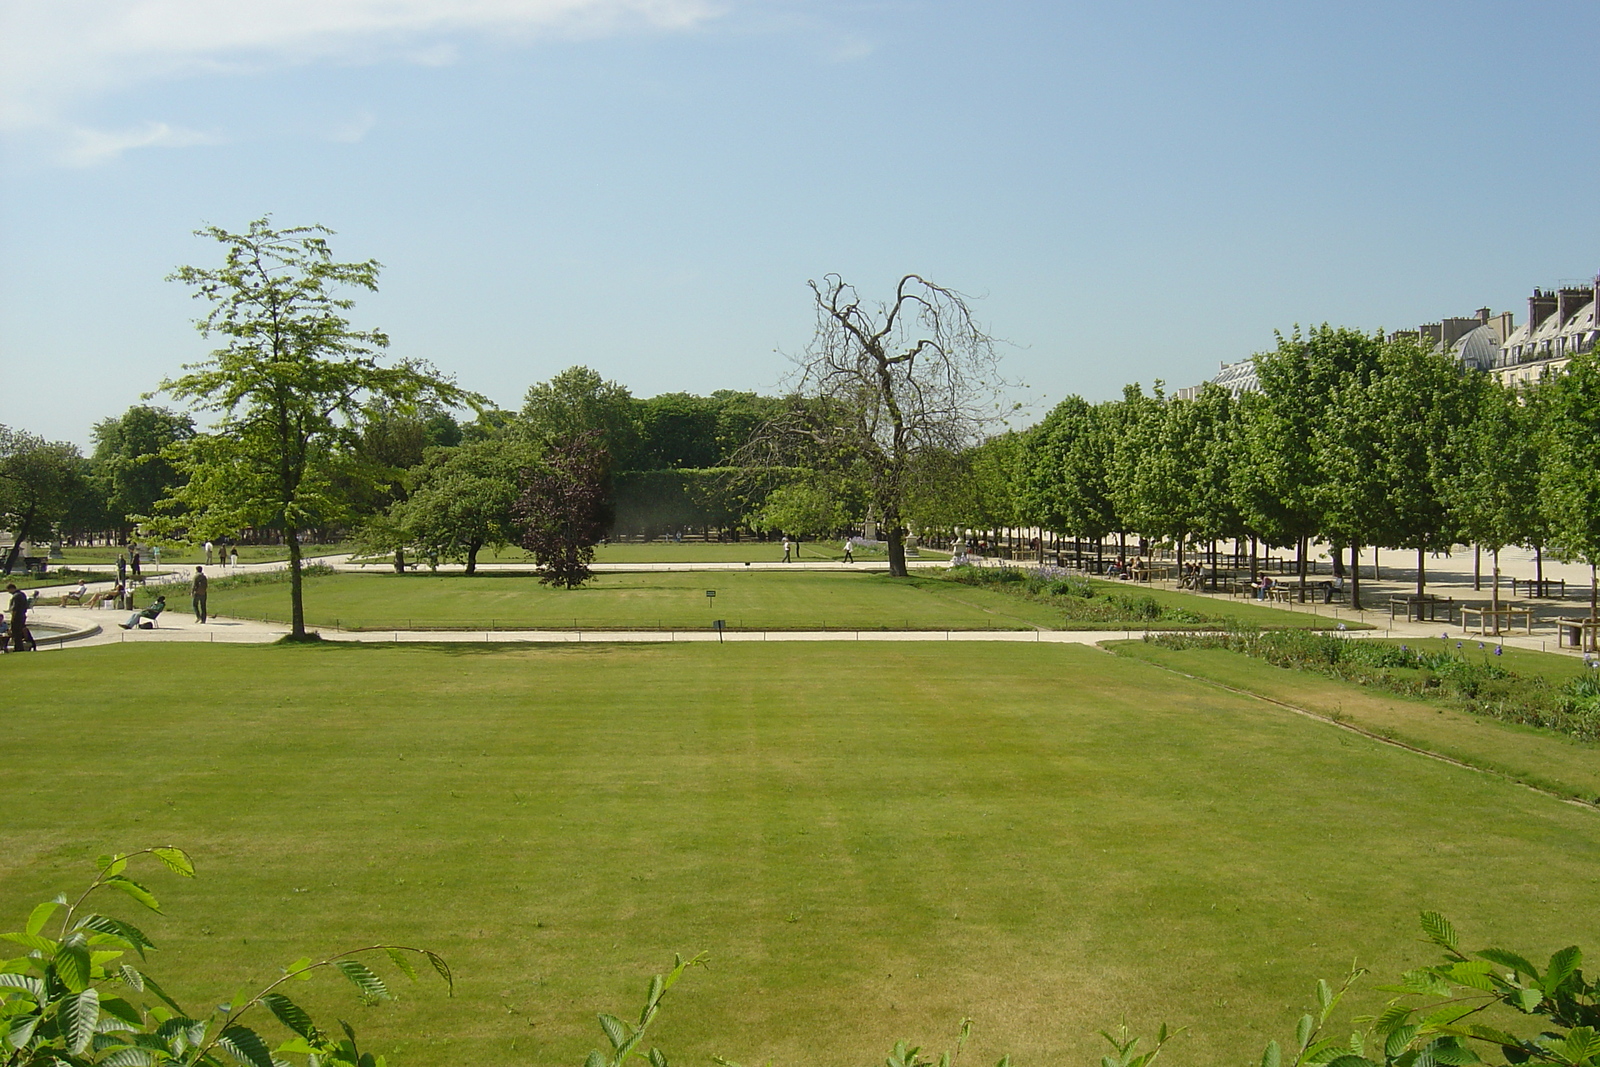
(233,554)
(21,638)
(122,569)
(197,593)
(133,561)
(209,547)
(849,550)
(788,546)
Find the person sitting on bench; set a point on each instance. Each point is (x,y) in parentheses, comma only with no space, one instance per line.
(138,618)
(76,594)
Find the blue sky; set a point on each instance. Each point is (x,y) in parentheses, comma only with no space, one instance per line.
(1133,191)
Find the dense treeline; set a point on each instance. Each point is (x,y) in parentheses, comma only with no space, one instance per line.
(1351,439)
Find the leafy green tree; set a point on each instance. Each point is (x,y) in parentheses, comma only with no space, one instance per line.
(1420,398)
(677,431)
(390,443)
(1066,470)
(1571,475)
(461,500)
(82,995)
(288,389)
(579,401)
(1493,490)
(130,460)
(39,481)
(804,509)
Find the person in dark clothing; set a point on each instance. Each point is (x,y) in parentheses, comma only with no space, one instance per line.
(122,570)
(134,562)
(21,638)
(197,593)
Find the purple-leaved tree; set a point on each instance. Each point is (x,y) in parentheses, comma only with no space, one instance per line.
(564,509)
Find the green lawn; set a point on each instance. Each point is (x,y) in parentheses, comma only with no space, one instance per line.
(1524,753)
(712,552)
(798,600)
(870,842)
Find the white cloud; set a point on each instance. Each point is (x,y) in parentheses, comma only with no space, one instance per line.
(354,130)
(86,148)
(55,54)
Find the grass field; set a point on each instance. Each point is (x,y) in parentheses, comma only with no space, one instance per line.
(871,843)
(801,600)
(707,552)
(1523,753)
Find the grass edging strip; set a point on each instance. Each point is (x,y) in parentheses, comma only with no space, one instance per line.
(1564,798)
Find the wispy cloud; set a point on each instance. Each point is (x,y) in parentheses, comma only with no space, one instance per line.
(86,148)
(58,54)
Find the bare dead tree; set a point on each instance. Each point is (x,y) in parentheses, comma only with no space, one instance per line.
(883,386)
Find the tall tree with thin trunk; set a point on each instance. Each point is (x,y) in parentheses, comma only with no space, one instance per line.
(899,380)
(287,389)
(1571,476)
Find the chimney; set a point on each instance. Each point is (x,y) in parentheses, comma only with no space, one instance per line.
(1570,301)
(1483,316)
(1541,305)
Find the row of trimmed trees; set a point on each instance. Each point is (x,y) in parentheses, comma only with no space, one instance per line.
(1351,439)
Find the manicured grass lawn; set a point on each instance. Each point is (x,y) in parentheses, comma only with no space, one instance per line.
(871,843)
(179,554)
(1525,753)
(758,600)
(703,552)
(801,600)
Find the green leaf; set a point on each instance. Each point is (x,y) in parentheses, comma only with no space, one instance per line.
(1399,1040)
(32,941)
(135,890)
(20,1031)
(1528,999)
(71,963)
(180,1032)
(290,1014)
(300,969)
(246,1046)
(1350,1061)
(1324,994)
(131,978)
(77,1015)
(1302,1031)
(40,915)
(1499,1037)
(443,969)
(1509,959)
(176,859)
(656,1058)
(25,982)
(122,1011)
(111,866)
(1273,1057)
(1439,930)
(130,1057)
(1581,1044)
(402,961)
(154,987)
(616,1030)
(594,1059)
(116,927)
(363,978)
(1562,966)
(1448,1052)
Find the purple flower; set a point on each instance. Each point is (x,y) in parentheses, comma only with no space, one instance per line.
(1499,650)
(1458,644)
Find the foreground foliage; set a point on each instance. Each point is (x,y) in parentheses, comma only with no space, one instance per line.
(1080,599)
(77,998)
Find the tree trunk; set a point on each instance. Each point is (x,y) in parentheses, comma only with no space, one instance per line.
(1594,603)
(1355,577)
(1338,560)
(897,552)
(17,537)
(1422,574)
(1300,564)
(1477,568)
(1494,597)
(1254,573)
(472,559)
(1538,566)
(399,561)
(297,604)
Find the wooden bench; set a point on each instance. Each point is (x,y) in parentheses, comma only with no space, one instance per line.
(1543,587)
(1578,633)
(1508,615)
(1422,609)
